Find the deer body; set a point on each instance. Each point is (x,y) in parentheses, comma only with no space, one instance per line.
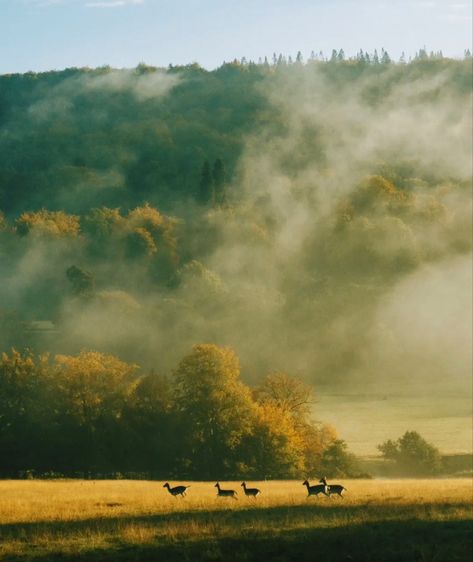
(176,490)
(225,493)
(333,488)
(250,492)
(316,489)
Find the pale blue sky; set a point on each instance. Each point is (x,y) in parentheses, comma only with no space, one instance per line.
(54,34)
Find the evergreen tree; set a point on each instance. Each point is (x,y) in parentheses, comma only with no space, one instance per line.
(206,187)
(385,58)
(218,177)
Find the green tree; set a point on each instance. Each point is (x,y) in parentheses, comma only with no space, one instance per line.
(26,408)
(93,388)
(83,282)
(216,411)
(149,423)
(337,461)
(218,178)
(412,455)
(206,187)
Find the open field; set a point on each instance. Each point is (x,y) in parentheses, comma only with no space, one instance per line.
(366,420)
(139,521)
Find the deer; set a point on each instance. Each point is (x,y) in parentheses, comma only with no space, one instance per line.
(225,493)
(316,489)
(176,490)
(250,492)
(333,488)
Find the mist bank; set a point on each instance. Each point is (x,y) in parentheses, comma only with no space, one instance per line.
(341,251)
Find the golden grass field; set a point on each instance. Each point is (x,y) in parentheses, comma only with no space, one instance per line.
(138,520)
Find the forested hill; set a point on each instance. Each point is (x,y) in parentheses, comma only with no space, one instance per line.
(83,138)
(315,216)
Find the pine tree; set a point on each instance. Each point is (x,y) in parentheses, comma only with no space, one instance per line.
(385,58)
(206,186)
(218,177)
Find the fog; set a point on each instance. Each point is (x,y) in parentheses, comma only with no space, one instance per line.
(343,256)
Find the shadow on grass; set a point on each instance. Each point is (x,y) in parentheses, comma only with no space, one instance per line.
(248,515)
(388,540)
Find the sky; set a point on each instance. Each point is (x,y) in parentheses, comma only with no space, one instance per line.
(43,35)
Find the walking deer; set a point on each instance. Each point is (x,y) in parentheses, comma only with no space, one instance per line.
(250,492)
(225,493)
(176,490)
(316,489)
(333,488)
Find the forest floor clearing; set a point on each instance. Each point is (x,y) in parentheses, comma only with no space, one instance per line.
(138,521)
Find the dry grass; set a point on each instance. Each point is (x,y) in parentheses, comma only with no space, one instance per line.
(43,519)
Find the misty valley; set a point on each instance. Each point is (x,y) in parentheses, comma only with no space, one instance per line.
(311,219)
(238,282)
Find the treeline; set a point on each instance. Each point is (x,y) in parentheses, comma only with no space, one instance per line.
(93,414)
(82,138)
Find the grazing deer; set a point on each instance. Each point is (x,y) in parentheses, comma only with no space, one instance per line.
(177,490)
(225,493)
(250,492)
(333,488)
(316,489)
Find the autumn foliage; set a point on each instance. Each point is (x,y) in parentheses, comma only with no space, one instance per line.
(95,413)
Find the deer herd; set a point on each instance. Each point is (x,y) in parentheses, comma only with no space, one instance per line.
(322,488)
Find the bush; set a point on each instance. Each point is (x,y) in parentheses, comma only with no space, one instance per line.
(412,455)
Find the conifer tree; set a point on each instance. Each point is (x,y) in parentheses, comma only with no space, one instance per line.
(218,177)
(206,187)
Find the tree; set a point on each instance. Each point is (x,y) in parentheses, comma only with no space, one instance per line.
(412,455)
(83,282)
(149,426)
(92,389)
(206,187)
(336,461)
(292,395)
(385,58)
(50,223)
(218,178)
(275,447)
(216,411)
(25,412)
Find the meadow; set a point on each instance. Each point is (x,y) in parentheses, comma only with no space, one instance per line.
(121,520)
